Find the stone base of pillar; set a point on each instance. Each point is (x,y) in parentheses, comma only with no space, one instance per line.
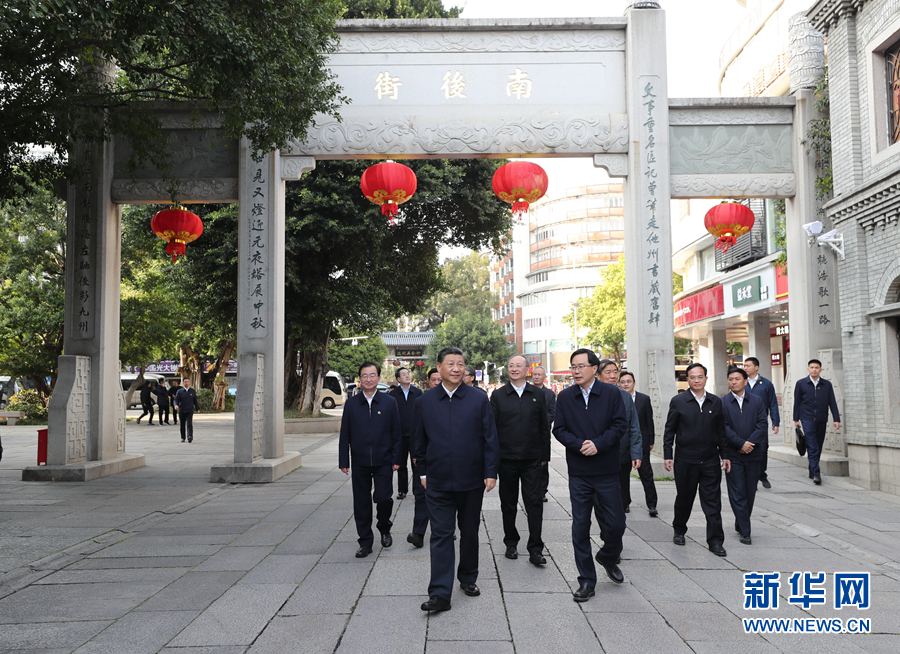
(260,472)
(84,471)
(829,464)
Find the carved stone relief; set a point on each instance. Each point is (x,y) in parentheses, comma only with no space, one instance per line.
(731,116)
(78,412)
(293,167)
(151,191)
(411,136)
(120,422)
(194,153)
(807,53)
(653,391)
(733,186)
(529,41)
(259,417)
(615,164)
(730,149)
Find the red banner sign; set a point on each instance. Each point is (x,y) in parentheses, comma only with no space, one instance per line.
(704,304)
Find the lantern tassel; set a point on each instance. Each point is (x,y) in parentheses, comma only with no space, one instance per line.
(520,209)
(390,209)
(725,242)
(175,248)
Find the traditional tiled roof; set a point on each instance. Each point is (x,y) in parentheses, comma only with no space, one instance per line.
(406,338)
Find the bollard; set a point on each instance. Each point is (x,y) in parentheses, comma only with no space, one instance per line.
(42,447)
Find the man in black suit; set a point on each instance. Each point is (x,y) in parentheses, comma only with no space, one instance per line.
(538,377)
(370,431)
(148,391)
(173,389)
(763,389)
(695,426)
(457,456)
(186,404)
(813,397)
(648,436)
(406,395)
(747,431)
(520,413)
(590,421)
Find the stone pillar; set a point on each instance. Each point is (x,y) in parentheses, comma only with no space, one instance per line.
(86,425)
(760,343)
(812,270)
(718,360)
(259,406)
(648,242)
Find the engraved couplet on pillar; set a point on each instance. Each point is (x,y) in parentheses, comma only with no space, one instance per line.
(84,227)
(653,211)
(256,282)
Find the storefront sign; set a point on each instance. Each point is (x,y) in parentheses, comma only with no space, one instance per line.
(776,358)
(699,306)
(409,351)
(779,330)
(749,291)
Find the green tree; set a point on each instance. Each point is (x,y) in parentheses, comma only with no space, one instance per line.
(32,284)
(345,358)
(465,287)
(261,64)
(476,334)
(399,9)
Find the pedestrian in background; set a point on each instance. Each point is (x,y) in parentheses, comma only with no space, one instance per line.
(162,399)
(813,397)
(147,395)
(173,388)
(763,388)
(538,378)
(648,437)
(186,404)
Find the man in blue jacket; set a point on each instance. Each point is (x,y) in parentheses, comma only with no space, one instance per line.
(590,420)
(370,431)
(763,388)
(747,433)
(406,395)
(457,456)
(813,397)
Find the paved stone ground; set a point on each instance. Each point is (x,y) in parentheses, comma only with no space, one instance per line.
(160,560)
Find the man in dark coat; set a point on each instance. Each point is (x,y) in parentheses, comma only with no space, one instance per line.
(520,413)
(162,399)
(763,388)
(747,431)
(457,456)
(186,404)
(590,420)
(147,393)
(813,397)
(631,445)
(648,436)
(370,433)
(695,427)
(173,388)
(406,395)
(538,379)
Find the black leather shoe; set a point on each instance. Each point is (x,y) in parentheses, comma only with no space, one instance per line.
(583,594)
(471,589)
(545,498)
(810,475)
(613,572)
(150,423)
(817,480)
(416,539)
(511,553)
(537,558)
(386,540)
(183,441)
(436,603)
(717,549)
(190,440)
(363,552)
(746,540)
(678,539)
(653,512)
(400,496)
(627,509)
(766,484)
(139,422)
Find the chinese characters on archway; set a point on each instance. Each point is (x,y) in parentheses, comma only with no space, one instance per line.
(84,279)
(387,86)
(651,241)
(258,237)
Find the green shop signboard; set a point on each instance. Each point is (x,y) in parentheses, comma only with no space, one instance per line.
(748,292)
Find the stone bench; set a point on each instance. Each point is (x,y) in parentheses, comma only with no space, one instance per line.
(12,416)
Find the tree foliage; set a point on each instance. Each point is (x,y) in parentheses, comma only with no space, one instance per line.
(476,334)
(345,358)
(261,64)
(399,9)
(464,288)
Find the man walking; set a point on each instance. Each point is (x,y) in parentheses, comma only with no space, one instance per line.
(185,404)
(538,379)
(631,445)
(763,388)
(520,413)
(648,436)
(813,397)
(590,420)
(457,456)
(695,427)
(147,393)
(162,399)
(405,394)
(173,389)
(747,431)
(370,431)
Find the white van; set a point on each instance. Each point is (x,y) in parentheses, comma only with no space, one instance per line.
(333,392)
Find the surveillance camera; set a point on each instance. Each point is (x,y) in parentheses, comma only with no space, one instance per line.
(814,228)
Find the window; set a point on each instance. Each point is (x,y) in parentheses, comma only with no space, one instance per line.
(892,69)
(533,347)
(539,278)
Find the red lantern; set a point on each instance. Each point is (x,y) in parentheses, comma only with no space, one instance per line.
(420,363)
(727,222)
(520,183)
(388,184)
(177,227)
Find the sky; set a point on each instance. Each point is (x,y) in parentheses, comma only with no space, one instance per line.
(696,30)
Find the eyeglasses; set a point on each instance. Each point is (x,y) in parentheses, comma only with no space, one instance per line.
(696,378)
(369,376)
(580,366)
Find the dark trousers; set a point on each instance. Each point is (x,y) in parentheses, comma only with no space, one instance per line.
(511,473)
(608,491)
(625,482)
(175,414)
(420,513)
(162,410)
(362,479)
(545,480)
(645,472)
(446,509)
(187,425)
(765,464)
(814,433)
(148,408)
(742,482)
(403,470)
(707,478)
